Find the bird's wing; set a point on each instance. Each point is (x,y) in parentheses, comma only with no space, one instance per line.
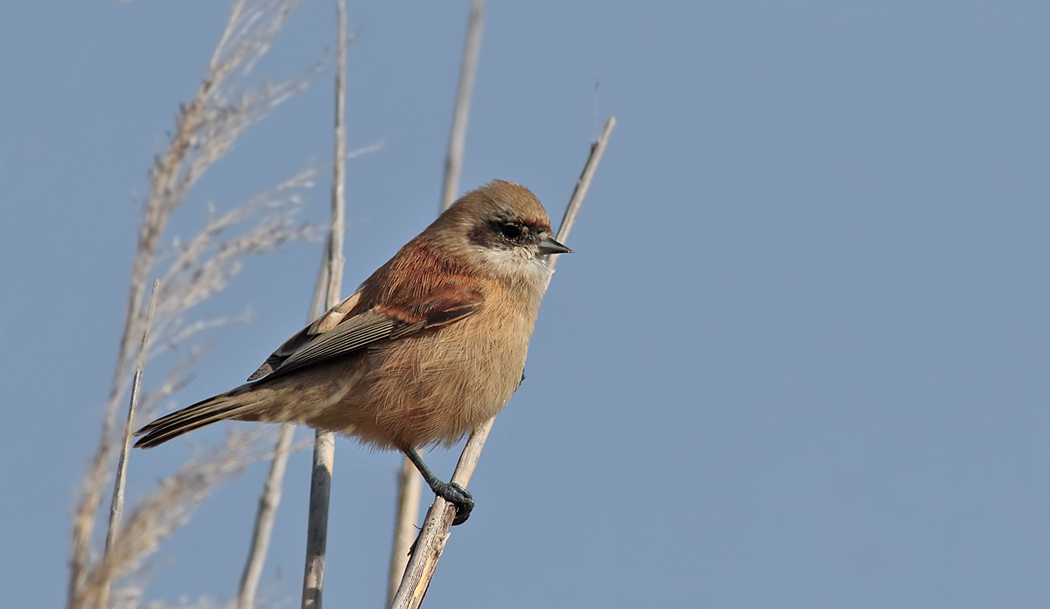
(319,326)
(338,332)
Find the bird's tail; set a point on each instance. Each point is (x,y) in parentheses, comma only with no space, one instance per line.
(221,407)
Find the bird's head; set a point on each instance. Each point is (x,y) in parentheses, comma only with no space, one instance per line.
(502,228)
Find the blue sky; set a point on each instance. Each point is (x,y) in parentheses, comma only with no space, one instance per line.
(799,358)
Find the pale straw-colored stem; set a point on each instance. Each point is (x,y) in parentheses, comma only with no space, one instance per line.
(335,245)
(458,137)
(265,515)
(317,523)
(270,499)
(324,441)
(431,541)
(409,491)
(116,506)
(272,489)
(409,482)
(198,140)
(583,184)
(435,532)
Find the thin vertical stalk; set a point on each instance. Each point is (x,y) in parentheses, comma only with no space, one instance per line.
(324,442)
(409,488)
(431,542)
(583,184)
(116,506)
(335,245)
(272,488)
(265,515)
(197,142)
(458,137)
(317,524)
(409,491)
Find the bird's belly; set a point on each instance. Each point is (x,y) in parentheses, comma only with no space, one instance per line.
(428,389)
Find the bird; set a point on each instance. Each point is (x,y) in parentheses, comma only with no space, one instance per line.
(432,344)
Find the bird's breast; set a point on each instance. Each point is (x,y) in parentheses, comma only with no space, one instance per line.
(435,386)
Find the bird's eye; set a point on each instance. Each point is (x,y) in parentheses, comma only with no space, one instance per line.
(511,231)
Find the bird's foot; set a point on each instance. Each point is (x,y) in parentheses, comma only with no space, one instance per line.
(457,496)
(449,491)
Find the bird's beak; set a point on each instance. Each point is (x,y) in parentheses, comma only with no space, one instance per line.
(550,246)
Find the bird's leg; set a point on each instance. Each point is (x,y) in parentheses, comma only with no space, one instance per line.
(449,491)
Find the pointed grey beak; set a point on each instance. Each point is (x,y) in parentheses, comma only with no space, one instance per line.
(550,246)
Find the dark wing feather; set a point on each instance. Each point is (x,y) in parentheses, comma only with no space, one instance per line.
(351,334)
(336,333)
(322,324)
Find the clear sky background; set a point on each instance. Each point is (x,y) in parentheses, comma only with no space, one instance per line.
(799,358)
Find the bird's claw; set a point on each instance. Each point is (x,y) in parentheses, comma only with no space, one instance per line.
(457,496)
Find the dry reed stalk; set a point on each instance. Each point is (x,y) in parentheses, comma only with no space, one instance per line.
(270,498)
(409,491)
(458,136)
(199,272)
(264,519)
(583,184)
(160,513)
(409,487)
(324,443)
(205,130)
(431,542)
(116,506)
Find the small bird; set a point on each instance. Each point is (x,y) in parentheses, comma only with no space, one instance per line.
(432,344)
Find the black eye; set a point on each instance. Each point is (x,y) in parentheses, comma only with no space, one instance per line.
(510,231)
